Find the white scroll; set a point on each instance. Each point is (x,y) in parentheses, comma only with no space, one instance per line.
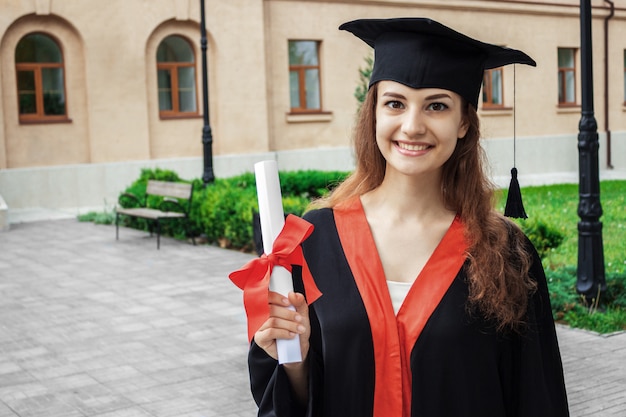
(272,219)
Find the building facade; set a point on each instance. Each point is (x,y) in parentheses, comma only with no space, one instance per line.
(91,92)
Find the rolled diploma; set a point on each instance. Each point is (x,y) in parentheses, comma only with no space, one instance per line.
(272,219)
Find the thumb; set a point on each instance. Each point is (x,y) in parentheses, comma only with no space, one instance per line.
(298,301)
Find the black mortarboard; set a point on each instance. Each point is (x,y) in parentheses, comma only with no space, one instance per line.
(422,53)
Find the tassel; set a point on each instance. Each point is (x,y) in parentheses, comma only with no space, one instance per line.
(514,205)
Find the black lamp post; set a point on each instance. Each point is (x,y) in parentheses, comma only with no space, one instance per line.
(207,135)
(591,279)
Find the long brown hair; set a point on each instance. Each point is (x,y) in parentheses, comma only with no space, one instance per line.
(499,285)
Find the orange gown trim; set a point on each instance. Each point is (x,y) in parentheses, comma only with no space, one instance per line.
(394,336)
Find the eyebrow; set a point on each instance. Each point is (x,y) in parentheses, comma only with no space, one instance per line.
(392,94)
(438,96)
(431,97)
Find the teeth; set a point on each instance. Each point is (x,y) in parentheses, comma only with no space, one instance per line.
(412,147)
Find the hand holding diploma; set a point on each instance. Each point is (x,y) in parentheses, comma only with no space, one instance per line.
(273,270)
(288,323)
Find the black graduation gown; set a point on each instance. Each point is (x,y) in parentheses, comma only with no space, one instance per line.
(459,365)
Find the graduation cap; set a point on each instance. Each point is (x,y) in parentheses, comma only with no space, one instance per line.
(422,53)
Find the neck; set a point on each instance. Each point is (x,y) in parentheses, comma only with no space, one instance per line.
(400,196)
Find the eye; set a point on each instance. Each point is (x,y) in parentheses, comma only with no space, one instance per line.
(437,106)
(394,104)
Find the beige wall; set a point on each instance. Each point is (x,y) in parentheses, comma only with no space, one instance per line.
(110,74)
(239,85)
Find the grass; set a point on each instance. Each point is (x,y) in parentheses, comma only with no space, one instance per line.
(104,217)
(557,205)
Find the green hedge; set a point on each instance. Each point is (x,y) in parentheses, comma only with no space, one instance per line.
(222,211)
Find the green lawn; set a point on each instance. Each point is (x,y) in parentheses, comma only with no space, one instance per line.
(556,205)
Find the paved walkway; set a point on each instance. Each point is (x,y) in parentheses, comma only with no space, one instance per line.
(91,326)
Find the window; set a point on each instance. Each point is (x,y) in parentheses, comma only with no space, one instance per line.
(625,76)
(567,76)
(304,76)
(176,75)
(492,88)
(40,79)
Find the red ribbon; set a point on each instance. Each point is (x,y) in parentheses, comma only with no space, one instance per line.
(254,277)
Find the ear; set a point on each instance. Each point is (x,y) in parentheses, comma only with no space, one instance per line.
(463,128)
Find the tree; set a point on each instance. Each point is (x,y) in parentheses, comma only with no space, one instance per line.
(364,80)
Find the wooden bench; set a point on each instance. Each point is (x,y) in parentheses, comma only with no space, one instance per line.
(170,208)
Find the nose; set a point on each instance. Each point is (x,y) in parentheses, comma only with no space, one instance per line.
(413,123)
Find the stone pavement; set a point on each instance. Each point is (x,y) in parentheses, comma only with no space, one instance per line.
(91,326)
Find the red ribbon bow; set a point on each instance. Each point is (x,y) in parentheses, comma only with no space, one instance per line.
(254,277)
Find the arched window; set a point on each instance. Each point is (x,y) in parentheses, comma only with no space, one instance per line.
(40,79)
(176,74)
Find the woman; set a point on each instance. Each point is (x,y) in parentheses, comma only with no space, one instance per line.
(433,304)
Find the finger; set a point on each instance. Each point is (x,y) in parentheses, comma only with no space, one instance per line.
(289,325)
(296,305)
(267,335)
(278,299)
(295,298)
(266,342)
(299,302)
(287,313)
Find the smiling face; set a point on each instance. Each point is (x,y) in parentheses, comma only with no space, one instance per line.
(417,129)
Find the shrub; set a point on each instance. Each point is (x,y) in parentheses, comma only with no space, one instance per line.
(221,211)
(610,320)
(561,283)
(104,217)
(605,314)
(225,212)
(543,236)
(615,293)
(225,215)
(309,184)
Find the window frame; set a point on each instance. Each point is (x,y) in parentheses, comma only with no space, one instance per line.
(301,69)
(36,68)
(173,70)
(562,79)
(624,102)
(488,89)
